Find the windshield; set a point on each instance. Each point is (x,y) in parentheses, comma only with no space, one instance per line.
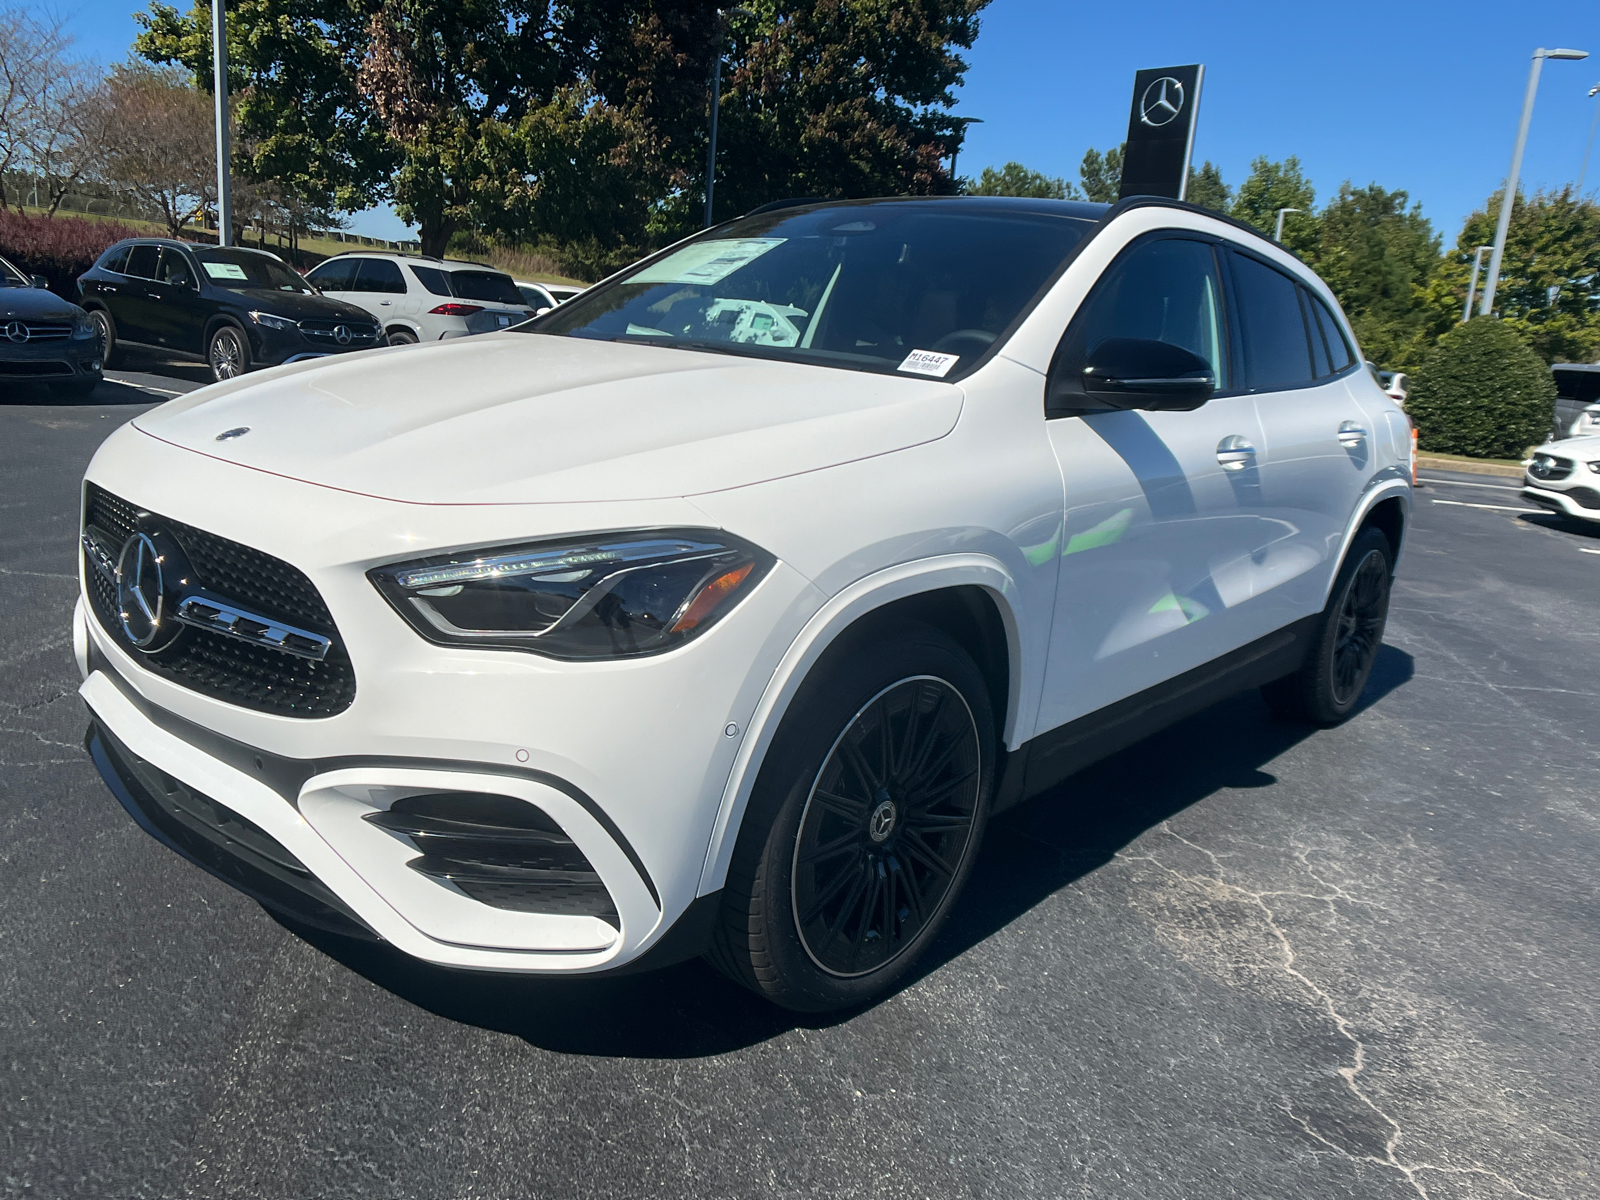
(919,287)
(231,268)
(485,285)
(11,277)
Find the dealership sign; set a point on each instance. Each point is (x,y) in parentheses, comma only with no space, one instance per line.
(1161,131)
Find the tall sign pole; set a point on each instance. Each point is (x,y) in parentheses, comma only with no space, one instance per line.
(711,144)
(1161,124)
(219,69)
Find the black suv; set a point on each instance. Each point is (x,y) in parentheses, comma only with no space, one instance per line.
(237,308)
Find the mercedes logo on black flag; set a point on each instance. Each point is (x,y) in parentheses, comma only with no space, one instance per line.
(1161,131)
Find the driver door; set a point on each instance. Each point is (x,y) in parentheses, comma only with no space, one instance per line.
(1162,509)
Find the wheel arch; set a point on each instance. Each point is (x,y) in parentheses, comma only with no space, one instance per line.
(404,325)
(969,597)
(1387,507)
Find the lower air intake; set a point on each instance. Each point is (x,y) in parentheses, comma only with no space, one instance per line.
(500,851)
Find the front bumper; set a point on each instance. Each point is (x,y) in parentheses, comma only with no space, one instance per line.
(60,360)
(275,347)
(1580,501)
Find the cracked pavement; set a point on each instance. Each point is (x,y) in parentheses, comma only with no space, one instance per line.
(1244,959)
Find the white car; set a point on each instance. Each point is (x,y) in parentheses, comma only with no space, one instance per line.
(543,296)
(420,299)
(717,610)
(1564,477)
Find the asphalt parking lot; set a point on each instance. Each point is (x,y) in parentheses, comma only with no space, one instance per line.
(1244,959)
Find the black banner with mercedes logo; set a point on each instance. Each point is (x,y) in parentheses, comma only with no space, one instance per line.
(1161,131)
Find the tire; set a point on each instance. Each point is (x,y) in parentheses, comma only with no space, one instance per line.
(401,337)
(856,845)
(228,353)
(106,330)
(1327,687)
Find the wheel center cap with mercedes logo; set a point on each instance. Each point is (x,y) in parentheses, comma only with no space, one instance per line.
(142,593)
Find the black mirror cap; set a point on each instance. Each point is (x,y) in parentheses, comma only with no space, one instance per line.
(1141,373)
(40,282)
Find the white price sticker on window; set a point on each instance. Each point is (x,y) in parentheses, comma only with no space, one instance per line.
(224,270)
(929,362)
(707,262)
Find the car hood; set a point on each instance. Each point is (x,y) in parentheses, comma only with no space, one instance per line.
(529,418)
(299,305)
(1586,448)
(34,304)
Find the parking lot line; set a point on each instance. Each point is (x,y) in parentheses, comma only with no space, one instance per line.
(1498,487)
(1496,507)
(1587,550)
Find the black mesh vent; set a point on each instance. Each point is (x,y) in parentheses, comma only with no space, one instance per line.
(214,664)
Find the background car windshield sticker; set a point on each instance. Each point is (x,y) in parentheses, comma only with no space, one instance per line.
(929,362)
(224,270)
(707,262)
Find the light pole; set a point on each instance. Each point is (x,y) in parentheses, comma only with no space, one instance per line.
(1509,196)
(1477,262)
(219,69)
(1277,234)
(961,124)
(1589,145)
(716,96)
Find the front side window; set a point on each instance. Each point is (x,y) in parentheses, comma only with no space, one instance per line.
(1166,290)
(861,286)
(379,275)
(173,269)
(485,285)
(231,267)
(1277,350)
(11,277)
(334,275)
(142,261)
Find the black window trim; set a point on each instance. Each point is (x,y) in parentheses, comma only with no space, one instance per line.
(1300,285)
(1229,312)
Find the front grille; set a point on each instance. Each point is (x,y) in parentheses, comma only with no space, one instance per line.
(1546,467)
(45,331)
(500,851)
(35,369)
(217,839)
(320,331)
(250,675)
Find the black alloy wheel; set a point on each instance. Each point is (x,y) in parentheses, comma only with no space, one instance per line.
(105,330)
(228,353)
(1344,647)
(863,823)
(886,826)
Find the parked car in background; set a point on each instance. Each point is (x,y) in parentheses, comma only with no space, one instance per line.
(546,295)
(1396,385)
(234,307)
(716,610)
(418,299)
(1564,476)
(44,338)
(1577,389)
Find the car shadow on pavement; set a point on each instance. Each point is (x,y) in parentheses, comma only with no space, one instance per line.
(107,392)
(1560,523)
(1029,854)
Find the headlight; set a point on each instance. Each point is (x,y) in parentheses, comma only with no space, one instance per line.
(82,326)
(271,322)
(604,596)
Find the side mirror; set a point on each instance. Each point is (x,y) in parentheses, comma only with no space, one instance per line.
(539,312)
(40,282)
(1140,373)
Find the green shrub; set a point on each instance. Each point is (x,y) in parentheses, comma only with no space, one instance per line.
(1482,392)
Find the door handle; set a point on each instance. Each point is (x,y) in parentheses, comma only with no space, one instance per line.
(1235,453)
(108,287)
(1351,434)
(386,303)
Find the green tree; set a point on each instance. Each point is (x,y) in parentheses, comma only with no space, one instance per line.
(1207,189)
(1102,175)
(1378,255)
(1014,179)
(1482,391)
(1274,185)
(1553,243)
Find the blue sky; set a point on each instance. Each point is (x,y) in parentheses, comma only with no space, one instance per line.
(1416,95)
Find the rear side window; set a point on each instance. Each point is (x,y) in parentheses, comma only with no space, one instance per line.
(1340,356)
(334,275)
(1277,350)
(142,261)
(485,285)
(115,260)
(435,280)
(379,275)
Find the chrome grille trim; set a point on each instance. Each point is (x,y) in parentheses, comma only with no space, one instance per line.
(206,612)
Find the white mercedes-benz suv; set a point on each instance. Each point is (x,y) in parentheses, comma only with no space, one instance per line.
(715,611)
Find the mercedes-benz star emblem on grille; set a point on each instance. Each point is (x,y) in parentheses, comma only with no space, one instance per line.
(17,331)
(140,596)
(238,431)
(341,334)
(1162,102)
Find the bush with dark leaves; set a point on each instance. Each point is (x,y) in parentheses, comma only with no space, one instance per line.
(1482,392)
(59,248)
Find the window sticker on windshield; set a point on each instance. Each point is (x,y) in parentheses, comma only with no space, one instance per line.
(929,362)
(707,262)
(224,270)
